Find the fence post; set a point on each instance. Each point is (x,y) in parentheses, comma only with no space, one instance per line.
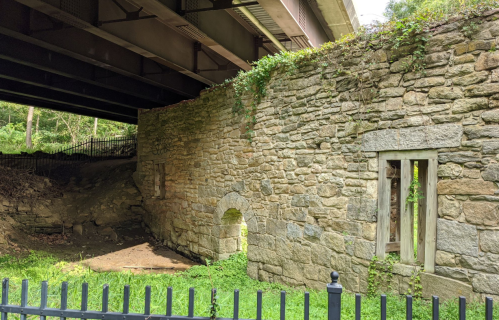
(91,148)
(334,290)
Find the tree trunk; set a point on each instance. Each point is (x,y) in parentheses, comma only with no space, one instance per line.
(56,125)
(29,127)
(95,126)
(37,123)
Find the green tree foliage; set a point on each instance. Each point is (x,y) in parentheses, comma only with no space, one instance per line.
(55,129)
(401,9)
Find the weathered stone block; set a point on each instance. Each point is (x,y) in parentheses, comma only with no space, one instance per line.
(454,273)
(449,207)
(390,81)
(312,232)
(333,241)
(429,82)
(403,269)
(466,186)
(491,116)
(413,98)
(266,187)
(443,258)
(327,131)
(436,59)
(444,288)
(327,190)
(477,132)
(458,157)
(468,105)
(364,249)
(451,170)
(488,262)
(489,241)
(347,227)
(321,255)
(486,283)
(450,93)
(481,90)
(490,147)
(457,237)
(487,60)
(427,137)
(300,200)
(481,213)
(460,70)
(467,58)
(362,209)
(294,231)
(491,172)
(391,92)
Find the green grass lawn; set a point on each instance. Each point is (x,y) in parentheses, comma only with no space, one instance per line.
(227,276)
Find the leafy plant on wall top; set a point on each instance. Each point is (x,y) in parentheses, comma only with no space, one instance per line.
(413,31)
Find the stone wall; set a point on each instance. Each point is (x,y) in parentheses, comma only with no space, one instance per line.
(101,192)
(307,183)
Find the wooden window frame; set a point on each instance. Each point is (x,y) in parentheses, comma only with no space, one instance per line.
(427,207)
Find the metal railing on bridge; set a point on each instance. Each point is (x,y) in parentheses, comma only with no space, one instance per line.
(44,163)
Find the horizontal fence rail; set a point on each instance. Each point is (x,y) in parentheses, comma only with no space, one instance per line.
(44,164)
(334,290)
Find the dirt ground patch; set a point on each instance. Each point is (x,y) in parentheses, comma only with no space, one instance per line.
(145,257)
(132,247)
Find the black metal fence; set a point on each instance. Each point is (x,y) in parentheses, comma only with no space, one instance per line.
(43,163)
(334,290)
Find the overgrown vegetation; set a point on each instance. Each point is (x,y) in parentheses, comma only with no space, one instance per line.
(51,130)
(406,37)
(401,9)
(226,276)
(380,275)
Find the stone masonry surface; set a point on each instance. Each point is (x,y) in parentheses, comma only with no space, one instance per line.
(307,184)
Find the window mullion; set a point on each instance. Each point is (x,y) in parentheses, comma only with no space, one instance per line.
(431,216)
(406,213)
(383,225)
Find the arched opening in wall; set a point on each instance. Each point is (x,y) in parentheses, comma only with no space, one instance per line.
(233,234)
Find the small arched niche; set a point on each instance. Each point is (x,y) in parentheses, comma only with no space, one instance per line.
(233,221)
(233,233)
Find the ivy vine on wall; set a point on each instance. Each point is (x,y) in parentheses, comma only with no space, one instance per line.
(403,38)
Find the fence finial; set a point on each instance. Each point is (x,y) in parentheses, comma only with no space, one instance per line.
(334,277)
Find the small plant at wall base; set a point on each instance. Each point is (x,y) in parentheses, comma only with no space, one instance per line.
(417,291)
(214,307)
(380,272)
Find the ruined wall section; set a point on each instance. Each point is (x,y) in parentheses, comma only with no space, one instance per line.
(309,176)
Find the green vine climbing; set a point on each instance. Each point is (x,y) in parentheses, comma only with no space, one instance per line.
(405,40)
(415,193)
(415,283)
(380,274)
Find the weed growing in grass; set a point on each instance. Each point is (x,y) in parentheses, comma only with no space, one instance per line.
(226,275)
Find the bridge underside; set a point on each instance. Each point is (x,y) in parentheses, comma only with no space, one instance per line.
(108,58)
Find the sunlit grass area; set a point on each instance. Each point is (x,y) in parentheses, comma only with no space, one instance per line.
(227,275)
